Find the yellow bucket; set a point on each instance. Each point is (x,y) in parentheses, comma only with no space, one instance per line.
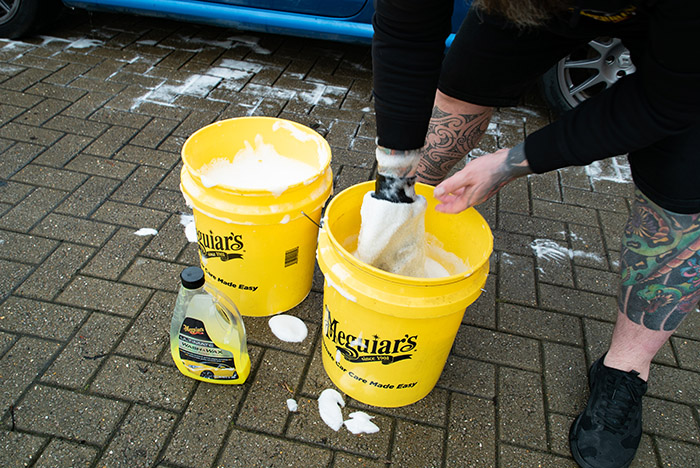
(257,245)
(386,337)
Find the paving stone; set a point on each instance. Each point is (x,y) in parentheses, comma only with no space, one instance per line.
(116,255)
(201,432)
(676,453)
(42,112)
(598,201)
(25,248)
(32,209)
(56,272)
(535,227)
(674,384)
(62,453)
(416,445)
(346,460)
(143,382)
(501,348)
(564,212)
(139,185)
(88,197)
(520,408)
(18,449)
(61,152)
(12,275)
(546,186)
(148,156)
(566,378)
(110,142)
(43,176)
(245,449)
(597,281)
(84,354)
(150,332)
(43,319)
(577,302)
(515,281)
(139,439)
(130,215)
(688,351)
(169,241)
(70,415)
(431,409)
(514,197)
(259,333)
(518,456)
(469,376)
(670,419)
(75,230)
(100,166)
(588,247)
(472,432)
(20,365)
(278,371)
(167,200)
(154,274)
(544,325)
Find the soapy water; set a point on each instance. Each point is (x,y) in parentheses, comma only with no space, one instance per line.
(292,405)
(288,328)
(146,232)
(257,167)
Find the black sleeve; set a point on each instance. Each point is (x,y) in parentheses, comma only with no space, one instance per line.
(407,51)
(661,99)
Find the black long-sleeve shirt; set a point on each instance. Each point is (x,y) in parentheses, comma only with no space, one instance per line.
(661,99)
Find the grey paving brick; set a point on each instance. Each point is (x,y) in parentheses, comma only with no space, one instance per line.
(130,215)
(154,274)
(20,365)
(62,453)
(598,201)
(565,377)
(61,152)
(540,324)
(315,379)
(167,200)
(76,125)
(12,275)
(515,280)
(18,99)
(42,112)
(111,141)
(670,419)
(482,312)
(676,453)
(416,445)
(88,197)
(25,79)
(546,186)
(674,384)
(687,351)
(521,408)
(67,414)
(245,449)
(17,156)
(138,185)
(43,319)
(18,449)
(24,248)
(514,197)
(148,157)
(87,104)
(588,246)
(153,134)
(577,302)
(201,432)
(6,341)
(517,456)
(139,438)
(143,382)
(576,177)
(432,409)
(116,255)
(346,460)
(472,432)
(44,176)
(277,370)
(535,227)
(468,376)
(31,209)
(497,347)
(100,166)
(72,229)
(56,272)
(564,212)
(597,281)
(150,332)
(84,354)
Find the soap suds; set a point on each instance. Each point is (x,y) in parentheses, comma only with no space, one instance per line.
(190,230)
(257,167)
(146,232)
(548,249)
(288,328)
(292,405)
(360,423)
(330,403)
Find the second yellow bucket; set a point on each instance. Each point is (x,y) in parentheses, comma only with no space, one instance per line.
(257,245)
(386,337)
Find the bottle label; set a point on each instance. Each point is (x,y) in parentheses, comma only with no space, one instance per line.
(201,355)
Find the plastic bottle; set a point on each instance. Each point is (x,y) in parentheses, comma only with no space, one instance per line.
(207,335)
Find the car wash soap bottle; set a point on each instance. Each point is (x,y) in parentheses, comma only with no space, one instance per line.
(207,335)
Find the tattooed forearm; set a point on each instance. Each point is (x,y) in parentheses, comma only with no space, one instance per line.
(450,137)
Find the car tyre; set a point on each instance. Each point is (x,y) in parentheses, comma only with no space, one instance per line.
(17,17)
(585,73)
(207,374)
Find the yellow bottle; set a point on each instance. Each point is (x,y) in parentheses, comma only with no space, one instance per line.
(207,335)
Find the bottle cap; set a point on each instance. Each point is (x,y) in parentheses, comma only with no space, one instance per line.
(192,277)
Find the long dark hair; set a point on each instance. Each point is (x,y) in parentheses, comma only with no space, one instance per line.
(523,13)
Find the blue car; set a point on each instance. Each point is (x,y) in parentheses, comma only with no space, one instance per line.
(573,80)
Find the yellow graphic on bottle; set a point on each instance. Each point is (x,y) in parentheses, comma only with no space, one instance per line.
(201,356)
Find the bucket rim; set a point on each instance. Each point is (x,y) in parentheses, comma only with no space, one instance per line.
(323,167)
(393,277)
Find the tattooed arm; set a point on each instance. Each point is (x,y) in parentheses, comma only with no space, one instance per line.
(481,178)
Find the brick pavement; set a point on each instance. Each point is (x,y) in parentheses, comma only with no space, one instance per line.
(92,119)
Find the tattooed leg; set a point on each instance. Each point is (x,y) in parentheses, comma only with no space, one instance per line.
(455,129)
(660,285)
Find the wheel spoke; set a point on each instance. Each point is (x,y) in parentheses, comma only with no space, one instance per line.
(4,7)
(589,83)
(586,63)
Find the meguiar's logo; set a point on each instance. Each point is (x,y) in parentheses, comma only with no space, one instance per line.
(224,248)
(373,349)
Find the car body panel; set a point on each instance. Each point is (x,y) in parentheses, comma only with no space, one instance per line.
(321,22)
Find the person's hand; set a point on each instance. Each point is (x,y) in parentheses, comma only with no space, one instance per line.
(480,179)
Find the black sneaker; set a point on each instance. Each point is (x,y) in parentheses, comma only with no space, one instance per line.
(607,433)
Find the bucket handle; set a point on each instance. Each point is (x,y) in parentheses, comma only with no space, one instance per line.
(309,218)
